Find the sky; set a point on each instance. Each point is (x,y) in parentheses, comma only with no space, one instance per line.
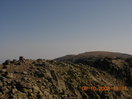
(52,28)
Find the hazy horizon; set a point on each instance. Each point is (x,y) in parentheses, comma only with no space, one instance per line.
(50,29)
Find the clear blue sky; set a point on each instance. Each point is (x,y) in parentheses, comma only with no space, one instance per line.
(53,28)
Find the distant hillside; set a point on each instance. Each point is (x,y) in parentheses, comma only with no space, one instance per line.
(97,54)
(114,63)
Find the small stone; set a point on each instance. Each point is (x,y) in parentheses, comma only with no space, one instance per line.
(7,62)
(24,79)
(39,74)
(7,75)
(14,61)
(24,73)
(54,75)
(5,66)
(21,58)
(2,78)
(14,90)
(10,75)
(4,89)
(3,70)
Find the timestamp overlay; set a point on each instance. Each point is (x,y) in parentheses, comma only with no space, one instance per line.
(104,88)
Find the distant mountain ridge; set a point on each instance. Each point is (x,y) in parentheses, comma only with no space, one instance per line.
(95,54)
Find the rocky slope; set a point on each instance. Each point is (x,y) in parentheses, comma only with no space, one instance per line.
(98,78)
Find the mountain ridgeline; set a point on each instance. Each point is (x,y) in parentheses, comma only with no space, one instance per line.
(90,75)
(114,63)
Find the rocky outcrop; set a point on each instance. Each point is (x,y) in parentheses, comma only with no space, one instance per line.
(49,79)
